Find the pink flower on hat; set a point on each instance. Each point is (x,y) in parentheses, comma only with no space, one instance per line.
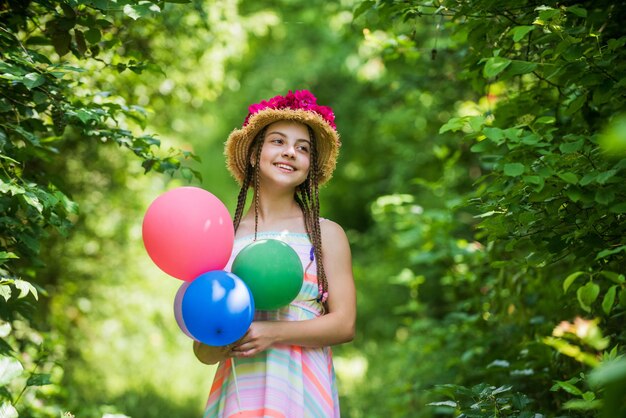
(300,99)
(327,113)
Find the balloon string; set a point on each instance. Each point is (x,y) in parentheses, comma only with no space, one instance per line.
(232,362)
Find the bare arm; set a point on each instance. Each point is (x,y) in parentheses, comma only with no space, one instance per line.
(336,327)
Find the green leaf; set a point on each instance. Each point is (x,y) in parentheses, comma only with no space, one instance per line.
(68,10)
(32,200)
(4,255)
(604,196)
(14,189)
(476,122)
(588,178)
(25,288)
(514,169)
(481,146)
(61,42)
(501,389)
(571,147)
(587,294)
(144,8)
(570,279)
(606,253)
(5,292)
(605,176)
(39,379)
(614,277)
(93,35)
(609,299)
(494,66)
(535,180)
(32,80)
(573,193)
(576,104)
(363,7)
(618,208)
(81,45)
(545,120)
(519,32)
(494,134)
(568,177)
(521,67)
(582,405)
(546,15)
(568,387)
(454,124)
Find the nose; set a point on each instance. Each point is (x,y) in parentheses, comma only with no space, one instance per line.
(289,151)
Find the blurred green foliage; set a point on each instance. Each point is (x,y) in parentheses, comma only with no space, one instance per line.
(518,223)
(480,182)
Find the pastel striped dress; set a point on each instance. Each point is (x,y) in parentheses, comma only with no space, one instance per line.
(286,380)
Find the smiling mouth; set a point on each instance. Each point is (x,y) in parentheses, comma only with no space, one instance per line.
(285,167)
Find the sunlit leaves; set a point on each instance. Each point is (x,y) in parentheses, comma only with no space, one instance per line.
(587,294)
(53,53)
(568,177)
(38,379)
(609,299)
(514,169)
(494,66)
(519,32)
(10,368)
(570,279)
(140,9)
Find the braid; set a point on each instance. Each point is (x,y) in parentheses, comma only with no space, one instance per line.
(313,215)
(250,174)
(256,189)
(303,206)
(241,198)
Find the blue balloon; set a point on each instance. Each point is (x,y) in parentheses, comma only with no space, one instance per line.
(217,308)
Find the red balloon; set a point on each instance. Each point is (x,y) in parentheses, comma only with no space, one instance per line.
(188,231)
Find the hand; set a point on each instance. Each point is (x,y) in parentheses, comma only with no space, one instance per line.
(258,339)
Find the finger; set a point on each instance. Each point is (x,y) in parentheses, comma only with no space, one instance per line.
(247,353)
(243,347)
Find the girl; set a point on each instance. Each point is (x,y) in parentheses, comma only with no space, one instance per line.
(285,150)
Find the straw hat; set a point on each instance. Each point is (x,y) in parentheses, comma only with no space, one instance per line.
(300,106)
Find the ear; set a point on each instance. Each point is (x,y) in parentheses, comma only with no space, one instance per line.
(253,157)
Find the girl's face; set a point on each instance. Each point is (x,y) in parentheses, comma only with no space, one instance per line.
(286,154)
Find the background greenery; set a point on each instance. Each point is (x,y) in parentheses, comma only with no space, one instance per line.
(481,183)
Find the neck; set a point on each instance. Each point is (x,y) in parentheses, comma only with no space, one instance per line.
(277,210)
(274,206)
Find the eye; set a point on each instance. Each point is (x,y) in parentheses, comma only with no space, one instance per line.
(303,148)
(276,140)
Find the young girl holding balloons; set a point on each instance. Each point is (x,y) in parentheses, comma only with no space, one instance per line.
(282,366)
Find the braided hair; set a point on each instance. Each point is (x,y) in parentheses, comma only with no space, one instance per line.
(306,196)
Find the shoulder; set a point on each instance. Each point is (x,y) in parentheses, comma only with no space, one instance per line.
(333,234)
(330,228)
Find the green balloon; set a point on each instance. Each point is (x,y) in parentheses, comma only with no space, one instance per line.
(272,270)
